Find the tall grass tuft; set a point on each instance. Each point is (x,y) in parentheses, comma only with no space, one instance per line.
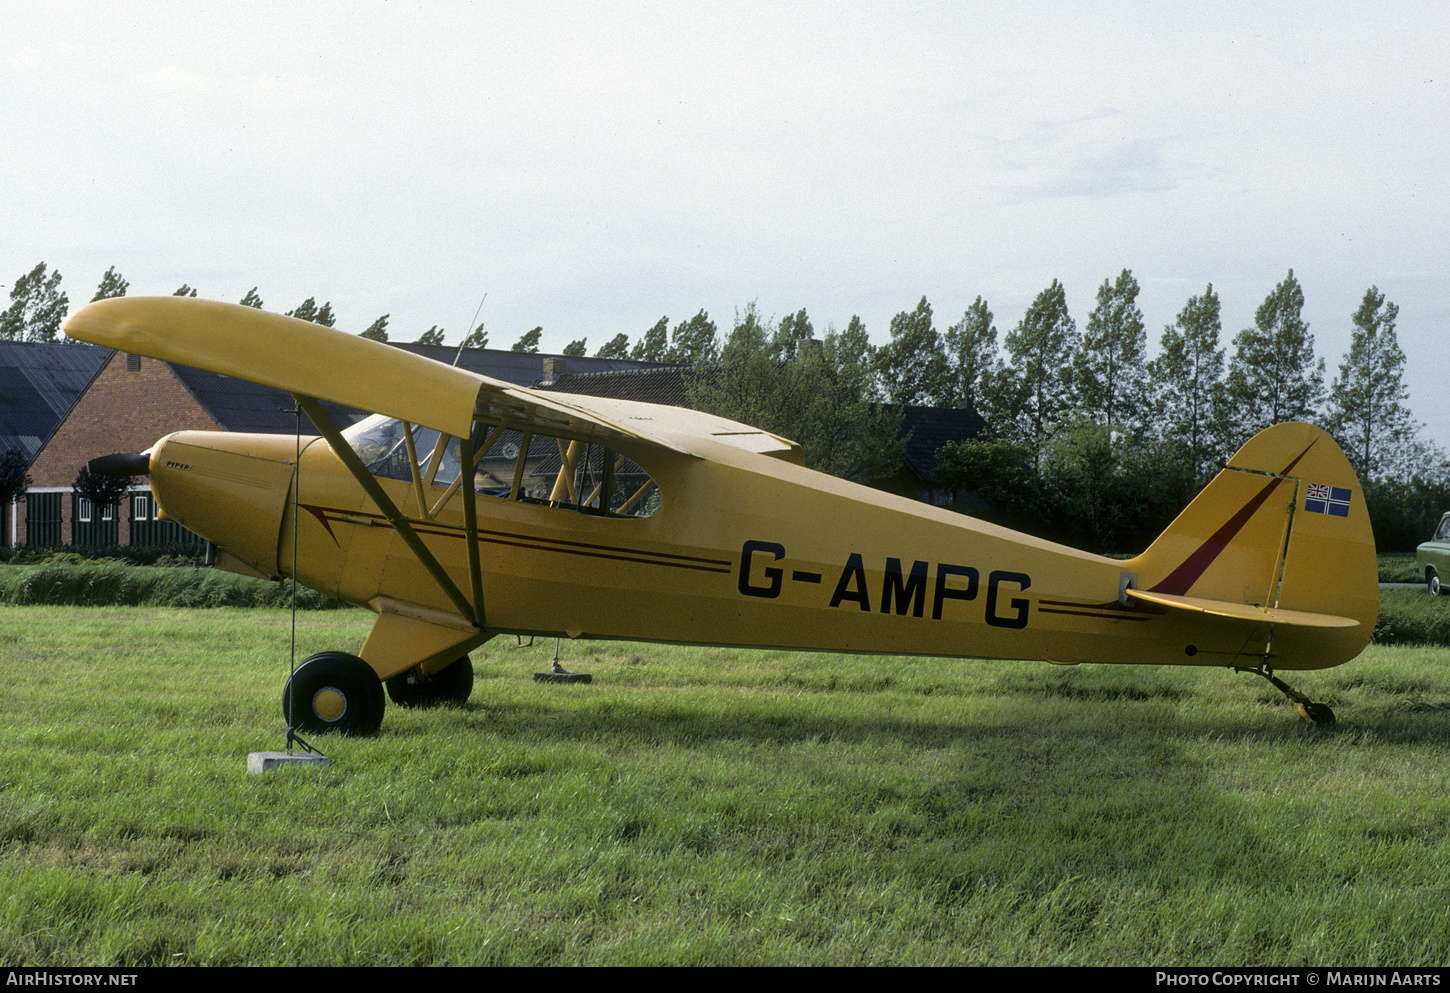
(1412,617)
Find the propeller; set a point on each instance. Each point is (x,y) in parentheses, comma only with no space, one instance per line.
(132,464)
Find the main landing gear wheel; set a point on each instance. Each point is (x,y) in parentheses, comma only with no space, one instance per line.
(334,691)
(1432,580)
(446,687)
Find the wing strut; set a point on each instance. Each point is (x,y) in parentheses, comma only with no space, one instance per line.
(467,466)
(395,517)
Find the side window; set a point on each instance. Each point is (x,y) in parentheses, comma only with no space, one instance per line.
(1444,533)
(566,473)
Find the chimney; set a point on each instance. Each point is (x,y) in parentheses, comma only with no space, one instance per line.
(553,369)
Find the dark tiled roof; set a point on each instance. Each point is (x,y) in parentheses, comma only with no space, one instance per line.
(39,383)
(661,384)
(933,427)
(520,368)
(238,405)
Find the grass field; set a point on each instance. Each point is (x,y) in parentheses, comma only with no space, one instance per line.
(710,807)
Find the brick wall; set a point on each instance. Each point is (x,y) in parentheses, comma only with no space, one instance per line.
(123,410)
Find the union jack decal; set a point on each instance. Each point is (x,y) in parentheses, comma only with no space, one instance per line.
(1331,500)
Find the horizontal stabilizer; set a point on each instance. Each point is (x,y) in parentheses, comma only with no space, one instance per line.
(1244,611)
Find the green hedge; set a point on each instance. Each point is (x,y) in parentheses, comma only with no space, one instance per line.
(1407,616)
(176,553)
(112,583)
(1412,617)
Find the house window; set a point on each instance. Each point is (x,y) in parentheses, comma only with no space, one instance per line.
(83,510)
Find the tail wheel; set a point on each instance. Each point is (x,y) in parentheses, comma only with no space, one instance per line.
(446,687)
(1315,713)
(1432,580)
(334,691)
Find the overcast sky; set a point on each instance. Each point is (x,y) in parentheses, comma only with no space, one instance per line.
(594,166)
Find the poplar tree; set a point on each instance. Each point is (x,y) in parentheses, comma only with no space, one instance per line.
(1035,385)
(1108,372)
(1187,381)
(37,307)
(792,329)
(1274,376)
(616,348)
(309,311)
(112,285)
(377,330)
(1366,411)
(694,341)
(577,347)
(817,398)
(912,367)
(972,359)
(529,343)
(655,343)
(433,336)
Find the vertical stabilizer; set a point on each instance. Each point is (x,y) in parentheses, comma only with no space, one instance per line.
(1283,527)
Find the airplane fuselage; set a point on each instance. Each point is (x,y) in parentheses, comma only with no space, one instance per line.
(743,549)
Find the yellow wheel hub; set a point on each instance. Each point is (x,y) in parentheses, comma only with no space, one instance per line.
(329,703)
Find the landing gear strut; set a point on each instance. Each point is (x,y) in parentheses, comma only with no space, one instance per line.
(1314,713)
(447,687)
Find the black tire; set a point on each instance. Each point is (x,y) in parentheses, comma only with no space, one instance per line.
(1432,581)
(335,692)
(447,687)
(1320,713)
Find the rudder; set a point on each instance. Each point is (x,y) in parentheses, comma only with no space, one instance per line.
(1284,528)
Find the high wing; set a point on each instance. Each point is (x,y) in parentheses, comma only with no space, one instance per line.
(314,363)
(310,360)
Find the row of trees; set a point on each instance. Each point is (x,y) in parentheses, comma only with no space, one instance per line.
(1089,441)
(1097,444)
(38,307)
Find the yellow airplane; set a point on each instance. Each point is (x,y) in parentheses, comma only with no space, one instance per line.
(466,507)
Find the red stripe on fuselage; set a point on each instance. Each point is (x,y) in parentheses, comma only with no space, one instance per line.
(1181,580)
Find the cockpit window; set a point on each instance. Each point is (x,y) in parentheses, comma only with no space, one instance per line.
(565,472)
(515,465)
